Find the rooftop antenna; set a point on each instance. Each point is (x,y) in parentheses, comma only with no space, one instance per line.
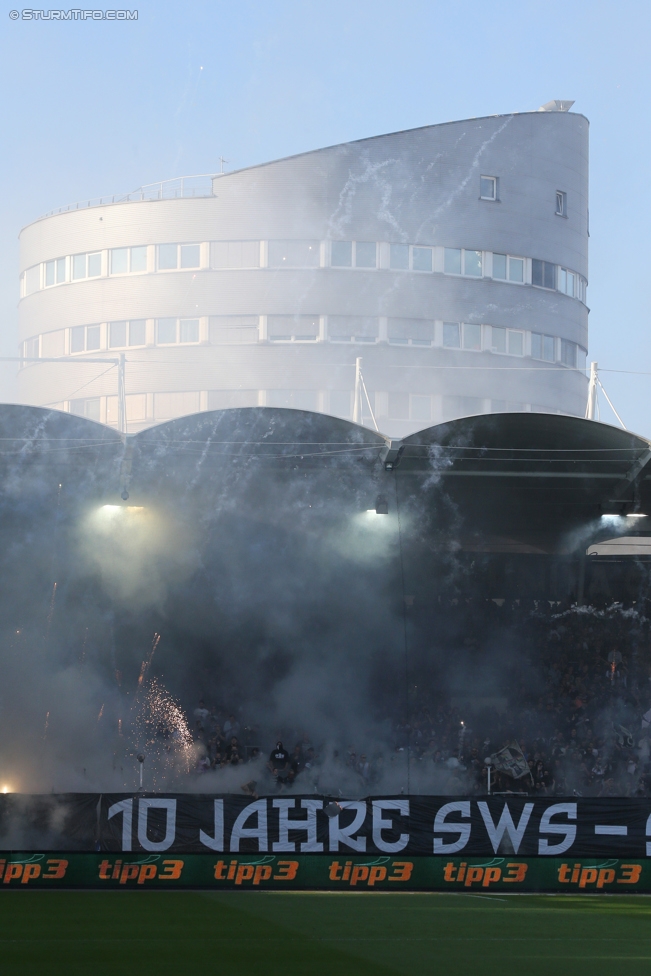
(360,392)
(221,165)
(557,105)
(592,406)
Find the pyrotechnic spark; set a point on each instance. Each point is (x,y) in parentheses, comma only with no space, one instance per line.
(161,729)
(51,611)
(101,712)
(147,662)
(47,722)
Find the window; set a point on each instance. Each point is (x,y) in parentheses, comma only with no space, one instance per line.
(488,187)
(340,403)
(422,258)
(86,265)
(85,338)
(515,343)
(294,254)
(117,335)
(498,339)
(568,353)
(452,335)
(235,254)
(189,330)
(506,268)
(543,347)
(543,274)
(190,255)
(167,405)
(293,328)
(499,266)
(89,408)
(341,254)
(233,329)
(461,406)
(228,399)
(472,336)
(415,332)
(31,348)
(365,254)
(165,331)
(399,406)
(32,279)
(561,203)
(293,399)
(399,257)
(173,256)
(452,260)
(122,334)
(472,263)
(125,260)
(568,282)
(355,328)
(421,408)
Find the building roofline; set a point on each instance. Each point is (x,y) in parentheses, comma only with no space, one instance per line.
(73,208)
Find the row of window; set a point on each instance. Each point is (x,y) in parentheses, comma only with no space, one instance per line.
(368,255)
(245,329)
(423,408)
(489,190)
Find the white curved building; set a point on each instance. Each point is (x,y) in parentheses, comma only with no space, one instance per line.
(452,259)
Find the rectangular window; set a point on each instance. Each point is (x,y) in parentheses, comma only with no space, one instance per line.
(516,269)
(78,338)
(31,348)
(117,335)
(168,405)
(561,203)
(234,329)
(549,349)
(499,266)
(472,263)
(568,353)
(421,408)
(61,270)
(190,255)
(166,331)
(137,332)
(168,257)
(515,343)
(235,254)
(89,408)
(536,346)
(365,254)
(399,406)
(136,404)
(228,399)
(357,328)
(78,266)
(452,260)
(119,260)
(138,259)
(189,330)
(294,254)
(422,258)
(451,335)
(50,273)
(94,265)
(488,187)
(472,336)
(399,257)
(543,274)
(542,347)
(341,254)
(297,328)
(418,332)
(92,337)
(340,403)
(461,406)
(498,339)
(293,399)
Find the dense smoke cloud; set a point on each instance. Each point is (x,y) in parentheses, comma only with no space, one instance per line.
(248,568)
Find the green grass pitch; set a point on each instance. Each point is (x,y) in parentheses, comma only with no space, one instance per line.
(319,934)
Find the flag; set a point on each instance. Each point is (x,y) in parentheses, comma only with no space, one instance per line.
(510,760)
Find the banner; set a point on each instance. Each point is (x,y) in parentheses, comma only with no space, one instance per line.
(405,826)
(417,825)
(497,875)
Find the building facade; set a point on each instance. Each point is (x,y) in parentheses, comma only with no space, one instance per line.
(452,259)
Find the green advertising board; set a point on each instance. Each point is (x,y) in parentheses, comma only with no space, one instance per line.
(322,872)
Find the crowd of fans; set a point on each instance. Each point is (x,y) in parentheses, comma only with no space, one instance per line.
(574,706)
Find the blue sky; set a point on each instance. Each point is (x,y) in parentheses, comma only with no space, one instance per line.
(98,107)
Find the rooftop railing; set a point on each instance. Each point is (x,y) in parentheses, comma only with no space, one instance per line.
(181,187)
